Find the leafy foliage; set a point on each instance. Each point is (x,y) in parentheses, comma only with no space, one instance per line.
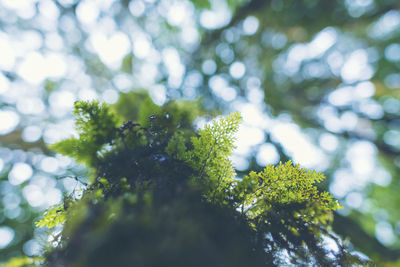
(285,203)
(278,51)
(285,184)
(210,153)
(95,124)
(161,198)
(52,217)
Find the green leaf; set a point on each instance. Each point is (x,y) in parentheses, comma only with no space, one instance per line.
(285,184)
(210,156)
(96,126)
(52,217)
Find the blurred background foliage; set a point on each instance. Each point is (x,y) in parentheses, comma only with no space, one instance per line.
(317,82)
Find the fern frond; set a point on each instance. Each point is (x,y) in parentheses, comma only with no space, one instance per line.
(52,217)
(210,155)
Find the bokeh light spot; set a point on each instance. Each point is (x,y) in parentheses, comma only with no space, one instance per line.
(110,96)
(141,46)
(386,24)
(87,94)
(246,138)
(29,70)
(158,94)
(239,162)
(237,70)
(4,82)
(136,8)
(53,196)
(250,25)
(8,121)
(267,154)
(1,164)
(354,200)
(31,133)
(392,52)
(392,137)
(33,194)
(87,12)
(111,50)
(30,105)
(384,233)
(298,146)
(6,236)
(62,100)
(176,14)
(382,177)
(392,81)
(209,67)
(7,52)
(364,90)
(49,164)
(214,19)
(356,67)
(221,89)
(32,248)
(19,173)
(329,142)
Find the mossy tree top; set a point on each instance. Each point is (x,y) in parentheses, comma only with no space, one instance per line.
(175,194)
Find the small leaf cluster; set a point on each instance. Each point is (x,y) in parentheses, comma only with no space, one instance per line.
(95,124)
(52,217)
(283,202)
(210,155)
(285,184)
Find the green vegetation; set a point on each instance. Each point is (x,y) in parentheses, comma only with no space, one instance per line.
(329,70)
(160,198)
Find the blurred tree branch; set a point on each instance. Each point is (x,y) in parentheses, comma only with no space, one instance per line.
(14,140)
(345,226)
(256,5)
(240,13)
